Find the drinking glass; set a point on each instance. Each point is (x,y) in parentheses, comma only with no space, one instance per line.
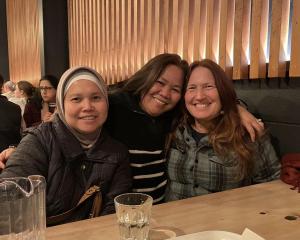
(133,212)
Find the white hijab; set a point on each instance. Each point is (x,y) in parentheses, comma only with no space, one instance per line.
(68,78)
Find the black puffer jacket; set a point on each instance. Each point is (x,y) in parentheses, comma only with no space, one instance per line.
(52,151)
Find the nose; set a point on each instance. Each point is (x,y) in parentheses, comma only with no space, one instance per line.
(165,92)
(87,105)
(199,93)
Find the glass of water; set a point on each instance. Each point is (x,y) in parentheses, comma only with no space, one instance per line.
(133,213)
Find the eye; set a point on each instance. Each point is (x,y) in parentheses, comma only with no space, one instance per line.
(160,82)
(208,86)
(97,97)
(177,90)
(191,87)
(75,99)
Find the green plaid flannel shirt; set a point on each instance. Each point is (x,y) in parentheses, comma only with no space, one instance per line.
(194,168)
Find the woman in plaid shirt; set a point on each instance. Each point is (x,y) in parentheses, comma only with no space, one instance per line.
(211,151)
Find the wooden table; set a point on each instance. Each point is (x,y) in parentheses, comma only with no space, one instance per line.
(261,208)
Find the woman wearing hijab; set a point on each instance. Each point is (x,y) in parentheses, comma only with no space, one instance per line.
(73,152)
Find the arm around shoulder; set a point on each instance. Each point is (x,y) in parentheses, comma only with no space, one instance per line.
(29,158)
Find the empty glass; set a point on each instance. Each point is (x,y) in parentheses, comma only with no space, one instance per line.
(133,212)
(22,208)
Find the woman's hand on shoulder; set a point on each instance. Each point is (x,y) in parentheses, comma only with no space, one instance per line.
(47,117)
(254,126)
(4,155)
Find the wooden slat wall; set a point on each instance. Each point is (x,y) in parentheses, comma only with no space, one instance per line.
(295,48)
(279,36)
(259,35)
(127,33)
(25,40)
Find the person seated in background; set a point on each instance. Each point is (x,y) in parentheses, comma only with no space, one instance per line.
(144,111)
(10,122)
(74,152)
(24,90)
(8,89)
(41,106)
(211,151)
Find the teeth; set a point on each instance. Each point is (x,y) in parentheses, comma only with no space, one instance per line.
(88,118)
(202,105)
(160,101)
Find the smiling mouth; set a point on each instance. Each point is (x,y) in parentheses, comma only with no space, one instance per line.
(161,101)
(88,118)
(201,105)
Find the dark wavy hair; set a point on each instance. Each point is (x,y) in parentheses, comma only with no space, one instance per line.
(141,82)
(226,132)
(52,79)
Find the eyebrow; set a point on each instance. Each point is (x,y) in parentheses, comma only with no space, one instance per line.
(162,78)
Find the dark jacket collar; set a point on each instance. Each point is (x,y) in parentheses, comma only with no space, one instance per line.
(71,147)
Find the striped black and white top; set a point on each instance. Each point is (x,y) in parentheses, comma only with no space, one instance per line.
(145,138)
(149,173)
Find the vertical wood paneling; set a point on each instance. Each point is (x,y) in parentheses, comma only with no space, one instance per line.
(224,21)
(229,38)
(259,33)
(279,37)
(196,29)
(25,40)
(241,39)
(117,37)
(209,30)
(295,47)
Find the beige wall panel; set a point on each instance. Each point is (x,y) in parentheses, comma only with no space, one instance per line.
(25,40)
(186,30)
(241,39)
(196,29)
(295,48)
(279,36)
(209,29)
(223,33)
(259,31)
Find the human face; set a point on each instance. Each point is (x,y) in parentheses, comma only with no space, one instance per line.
(165,92)
(18,93)
(85,107)
(48,92)
(202,98)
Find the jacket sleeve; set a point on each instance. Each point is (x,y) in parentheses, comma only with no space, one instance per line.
(121,183)
(29,158)
(267,165)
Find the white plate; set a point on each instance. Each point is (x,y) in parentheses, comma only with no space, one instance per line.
(210,235)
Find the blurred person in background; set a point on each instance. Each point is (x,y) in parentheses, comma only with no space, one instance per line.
(8,89)
(10,122)
(41,106)
(24,90)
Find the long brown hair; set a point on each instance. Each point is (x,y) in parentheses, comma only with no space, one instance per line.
(226,132)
